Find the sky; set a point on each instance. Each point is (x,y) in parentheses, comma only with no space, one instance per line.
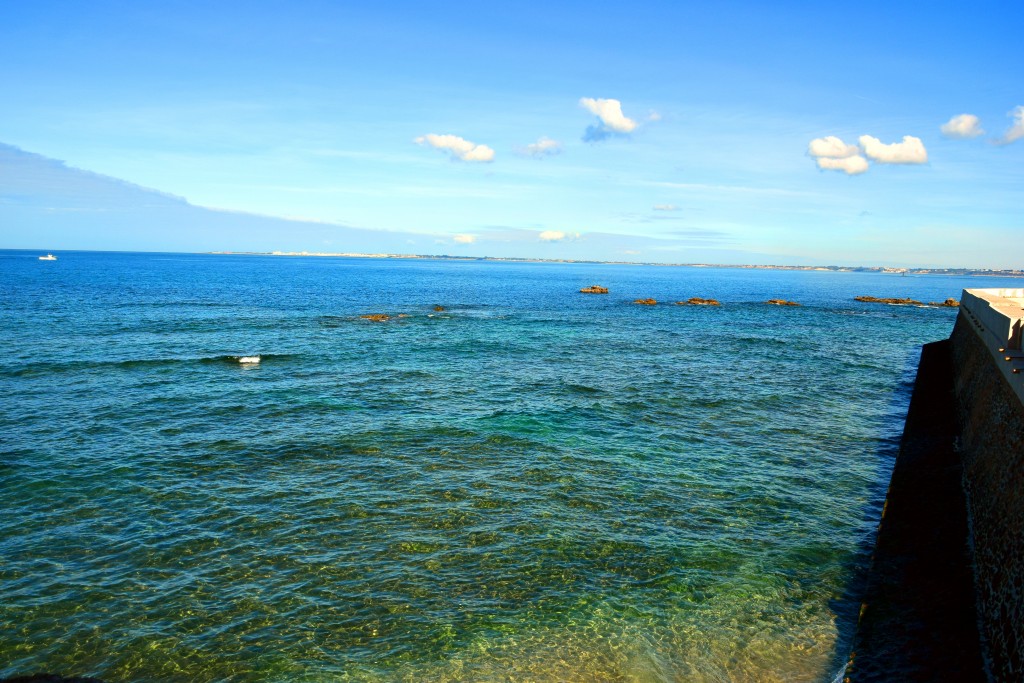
(864,133)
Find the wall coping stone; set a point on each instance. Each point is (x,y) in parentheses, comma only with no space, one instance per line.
(997,317)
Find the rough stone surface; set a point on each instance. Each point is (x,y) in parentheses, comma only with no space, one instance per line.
(992,445)
(697,301)
(948,303)
(890,301)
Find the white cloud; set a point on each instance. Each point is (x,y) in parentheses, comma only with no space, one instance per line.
(665,207)
(543,147)
(832,154)
(609,113)
(962,126)
(557,236)
(464,239)
(854,165)
(831,147)
(910,151)
(457,147)
(1015,131)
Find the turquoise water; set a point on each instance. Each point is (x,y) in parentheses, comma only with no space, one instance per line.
(531,485)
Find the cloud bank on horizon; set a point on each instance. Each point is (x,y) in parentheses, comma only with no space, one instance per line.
(557,236)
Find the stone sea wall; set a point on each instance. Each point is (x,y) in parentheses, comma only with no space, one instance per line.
(989,386)
(944,599)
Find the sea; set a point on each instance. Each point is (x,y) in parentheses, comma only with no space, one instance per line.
(505,480)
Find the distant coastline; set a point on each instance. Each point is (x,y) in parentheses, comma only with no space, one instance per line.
(985,272)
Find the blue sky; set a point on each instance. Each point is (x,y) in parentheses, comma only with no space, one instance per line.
(645,131)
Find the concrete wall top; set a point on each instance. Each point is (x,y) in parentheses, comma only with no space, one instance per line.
(997,316)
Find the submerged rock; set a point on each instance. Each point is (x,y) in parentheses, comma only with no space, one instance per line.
(594,289)
(891,302)
(438,308)
(697,301)
(781,302)
(645,302)
(376,317)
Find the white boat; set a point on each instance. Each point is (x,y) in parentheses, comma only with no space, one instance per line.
(48,257)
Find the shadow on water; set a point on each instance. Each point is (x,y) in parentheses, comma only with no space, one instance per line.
(847,606)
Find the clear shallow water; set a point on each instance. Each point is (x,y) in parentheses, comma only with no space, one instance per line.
(534,485)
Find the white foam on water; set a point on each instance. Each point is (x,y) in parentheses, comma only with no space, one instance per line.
(249,360)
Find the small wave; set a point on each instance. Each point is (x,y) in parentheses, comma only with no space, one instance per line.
(343,320)
(248,359)
(79,366)
(332,320)
(581,389)
(763,341)
(178,304)
(56,368)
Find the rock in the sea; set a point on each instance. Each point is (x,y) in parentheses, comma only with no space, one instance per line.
(948,303)
(438,308)
(697,301)
(594,289)
(645,302)
(376,317)
(781,302)
(892,302)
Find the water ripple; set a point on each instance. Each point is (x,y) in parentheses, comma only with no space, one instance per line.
(530,485)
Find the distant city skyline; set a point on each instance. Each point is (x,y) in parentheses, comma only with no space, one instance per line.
(790,133)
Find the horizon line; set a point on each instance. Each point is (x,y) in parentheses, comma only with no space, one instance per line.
(962,270)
